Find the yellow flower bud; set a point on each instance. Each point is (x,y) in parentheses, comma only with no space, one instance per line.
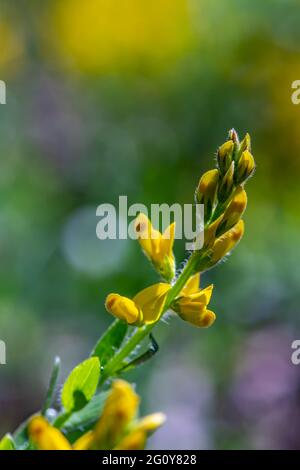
(245,144)
(119,410)
(234,211)
(225,153)
(45,436)
(207,191)
(210,232)
(123,308)
(224,244)
(233,136)
(245,167)
(157,247)
(226,184)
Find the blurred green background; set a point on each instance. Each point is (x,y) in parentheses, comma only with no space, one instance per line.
(106,98)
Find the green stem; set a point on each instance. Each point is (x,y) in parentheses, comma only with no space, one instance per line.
(140,333)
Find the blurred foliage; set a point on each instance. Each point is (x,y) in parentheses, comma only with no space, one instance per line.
(105,99)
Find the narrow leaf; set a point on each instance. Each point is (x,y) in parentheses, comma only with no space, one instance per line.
(87,416)
(7,443)
(52,385)
(110,342)
(81,385)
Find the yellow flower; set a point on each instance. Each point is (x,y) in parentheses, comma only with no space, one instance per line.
(105,36)
(116,428)
(191,305)
(47,437)
(119,410)
(145,308)
(156,246)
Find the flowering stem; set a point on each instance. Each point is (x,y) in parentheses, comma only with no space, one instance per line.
(140,333)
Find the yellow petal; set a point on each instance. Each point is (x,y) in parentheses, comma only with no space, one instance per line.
(198,316)
(203,296)
(192,285)
(148,238)
(151,422)
(136,440)
(167,240)
(123,308)
(151,301)
(84,442)
(46,437)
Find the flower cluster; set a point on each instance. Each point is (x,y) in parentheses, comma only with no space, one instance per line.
(117,427)
(89,418)
(222,193)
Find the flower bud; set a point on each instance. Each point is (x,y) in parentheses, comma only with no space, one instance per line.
(234,211)
(233,136)
(245,167)
(225,153)
(226,185)
(224,244)
(245,144)
(207,191)
(119,410)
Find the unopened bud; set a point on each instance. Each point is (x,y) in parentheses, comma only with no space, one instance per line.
(233,136)
(207,191)
(226,185)
(225,153)
(245,167)
(234,211)
(224,244)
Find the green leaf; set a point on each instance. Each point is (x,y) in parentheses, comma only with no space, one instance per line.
(81,385)
(110,341)
(7,443)
(87,416)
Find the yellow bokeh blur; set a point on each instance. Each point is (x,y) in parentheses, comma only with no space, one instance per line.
(98,36)
(12,50)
